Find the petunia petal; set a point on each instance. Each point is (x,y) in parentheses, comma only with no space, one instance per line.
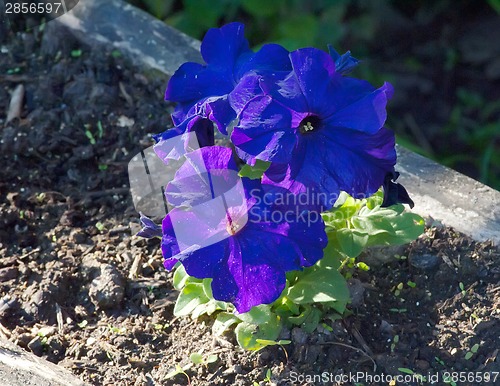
(367,114)
(221,47)
(193,81)
(264,132)
(149,228)
(345,63)
(270,58)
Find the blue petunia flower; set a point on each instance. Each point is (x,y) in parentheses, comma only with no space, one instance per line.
(206,91)
(345,63)
(321,130)
(245,243)
(394,192)
(149,228)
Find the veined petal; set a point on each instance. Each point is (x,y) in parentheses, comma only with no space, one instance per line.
(221,47)
(270,58)
(264,132)
(207,173)
(367,114)
(313,68)
(193,81)
(338,159)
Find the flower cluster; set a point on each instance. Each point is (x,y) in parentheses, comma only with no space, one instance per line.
(317,130)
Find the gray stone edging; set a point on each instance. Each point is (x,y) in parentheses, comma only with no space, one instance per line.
(19,367)
(442,193)
(134,32)
(450,197)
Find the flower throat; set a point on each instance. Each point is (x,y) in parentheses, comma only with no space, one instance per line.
(309,124)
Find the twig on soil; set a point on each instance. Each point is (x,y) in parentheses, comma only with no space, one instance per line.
(354,348)
(54,193)
(493,290)
(135,269)
(4,332)
(492,358)
(15,78)
(361,340)
(22,257)
(214,375)
(126,95)
(106,192)
(120,229)
(59,317)
(16,104)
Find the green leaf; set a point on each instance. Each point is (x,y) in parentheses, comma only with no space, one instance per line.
(199,310)
(288,306)
(196,358)
(373,225)
(191,296)
(215,305)
(469,355)
(376,200)
(320,286)
(268,342)
(351,242)
(408,227)
(223,321)
(405,370)
(180,277)
(211,359)
(100,129)
(257,315)
(312,320)
(254,172)
(363,266)
(90,136)
(248,333)
(338,216)
(207,288)
(332,254)
(299,319)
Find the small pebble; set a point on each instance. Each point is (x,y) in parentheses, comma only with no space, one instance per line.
(425,261)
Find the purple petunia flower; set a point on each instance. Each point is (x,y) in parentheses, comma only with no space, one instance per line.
(321,130)
(244,242)
(205,91)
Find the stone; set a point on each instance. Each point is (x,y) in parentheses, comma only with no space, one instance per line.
(357,291)
(36,346)
(299,336)
(108,288)
(378,256)
(425,261)
(8,273)
(20,368)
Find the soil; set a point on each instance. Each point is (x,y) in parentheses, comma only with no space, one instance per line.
(78,287)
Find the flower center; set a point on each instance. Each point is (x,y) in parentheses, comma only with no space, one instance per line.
(232,228)
(309,124)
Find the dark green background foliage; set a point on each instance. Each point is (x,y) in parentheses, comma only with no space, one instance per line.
(440,55)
